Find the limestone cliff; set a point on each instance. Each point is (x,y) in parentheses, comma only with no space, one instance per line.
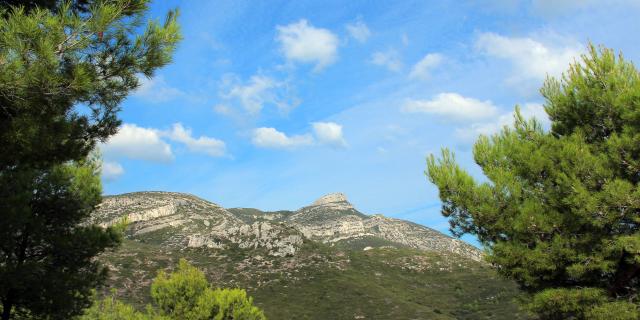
(182,221)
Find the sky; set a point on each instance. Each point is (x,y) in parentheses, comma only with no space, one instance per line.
(272,104)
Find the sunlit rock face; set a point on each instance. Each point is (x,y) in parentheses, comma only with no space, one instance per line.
(332,218)
(178,221)
(336,201)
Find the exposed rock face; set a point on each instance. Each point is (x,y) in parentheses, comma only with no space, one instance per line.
(182,221)
(332,219)
(333,200)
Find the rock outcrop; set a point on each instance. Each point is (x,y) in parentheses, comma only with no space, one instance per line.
(180,221)
(183,221)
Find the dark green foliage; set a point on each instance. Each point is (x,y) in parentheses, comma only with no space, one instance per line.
(47,265)
(78,5)
(560,211)
(63,74)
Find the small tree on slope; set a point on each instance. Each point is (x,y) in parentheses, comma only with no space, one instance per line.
(182,295)
(560,211)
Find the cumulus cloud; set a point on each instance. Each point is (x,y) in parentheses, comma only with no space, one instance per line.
(206,145)
(388,59)
(149,144)
(528,111)
(324,133)
(423,68)
(156,90)
(329,133)
(359,31)
(136,142)
(302,42)
(255,94)
(532,60)
(452,106)
(111,170)
(272,138)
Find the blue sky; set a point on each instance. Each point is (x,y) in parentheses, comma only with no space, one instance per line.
(271,104)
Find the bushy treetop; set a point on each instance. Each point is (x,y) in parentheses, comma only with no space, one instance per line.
(560,209)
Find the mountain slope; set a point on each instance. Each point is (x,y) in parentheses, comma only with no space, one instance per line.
(323,261)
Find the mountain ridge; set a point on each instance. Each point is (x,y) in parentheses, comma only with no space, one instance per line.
(322,261)
(329,219)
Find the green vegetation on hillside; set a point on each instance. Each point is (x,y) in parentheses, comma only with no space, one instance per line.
(322,282)
(560,212)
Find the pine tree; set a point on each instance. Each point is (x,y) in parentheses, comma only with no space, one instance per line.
(560,209)
(63,75)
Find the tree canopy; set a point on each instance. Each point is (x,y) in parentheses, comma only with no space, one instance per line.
(63,74)
(559,210)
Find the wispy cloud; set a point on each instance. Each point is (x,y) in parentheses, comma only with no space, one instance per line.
(531,59)
(259,91)
(423,68)
(389,59)
(452,106)
(111,170)
(156,90)
(302,42)
(358,30)
(528,111)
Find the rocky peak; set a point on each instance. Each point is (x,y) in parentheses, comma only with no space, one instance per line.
(333,201)
(330,199)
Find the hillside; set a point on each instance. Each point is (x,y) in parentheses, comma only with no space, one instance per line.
(323,261)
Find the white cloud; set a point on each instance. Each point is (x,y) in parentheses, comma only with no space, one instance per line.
(324,133)
(136,142)
(207,145)
(257,93)
(111,170)
(528,111)
(422,69)
(147,144)
(305,43)
(532,60)
(223,109)
(329,133)
(359,31)
(156,90)
(452,106)
(388,59)
(272,138)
